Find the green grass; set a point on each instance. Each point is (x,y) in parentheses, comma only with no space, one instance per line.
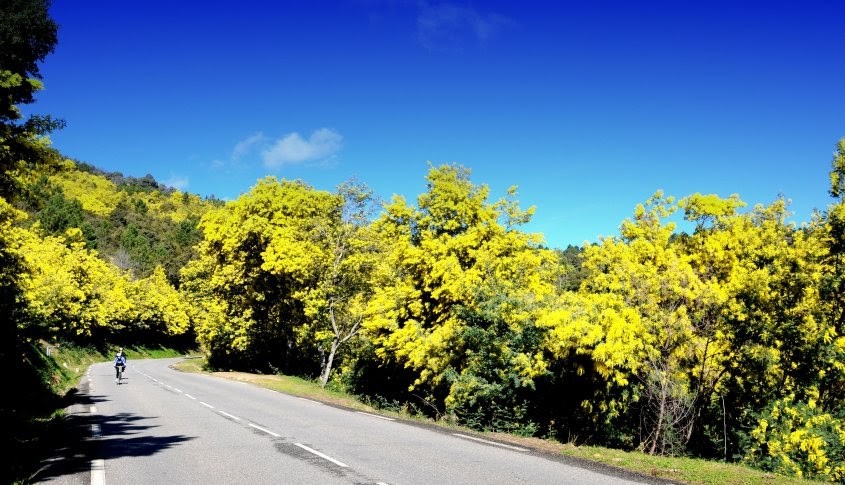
(683,470)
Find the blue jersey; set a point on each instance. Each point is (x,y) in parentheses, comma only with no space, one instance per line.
(120,360)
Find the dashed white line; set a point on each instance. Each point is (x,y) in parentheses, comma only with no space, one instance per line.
(209,406)
(515,448)
(375,416)
(321,455)
(178,390)
(190,396)
(98,467)
(224,413)
(98,472)
(259,428)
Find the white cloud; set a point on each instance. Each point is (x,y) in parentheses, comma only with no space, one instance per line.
(291,149)
(179,183)
(444,25)
(247,145)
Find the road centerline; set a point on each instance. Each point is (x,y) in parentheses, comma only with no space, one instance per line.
(322,455)
(232,416)
(265,430)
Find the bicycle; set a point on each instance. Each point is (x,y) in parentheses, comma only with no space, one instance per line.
(120,369)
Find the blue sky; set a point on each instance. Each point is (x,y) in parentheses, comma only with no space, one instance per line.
(588,107)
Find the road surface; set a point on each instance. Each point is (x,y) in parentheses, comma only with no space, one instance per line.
(162,426)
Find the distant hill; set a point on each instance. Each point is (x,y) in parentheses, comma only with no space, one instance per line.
(136,223)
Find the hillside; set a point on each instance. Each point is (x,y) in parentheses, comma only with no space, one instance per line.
(134,223)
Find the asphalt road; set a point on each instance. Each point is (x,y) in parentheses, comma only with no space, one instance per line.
(161,426)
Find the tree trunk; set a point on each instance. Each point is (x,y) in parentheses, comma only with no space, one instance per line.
(324,377)
(658,434)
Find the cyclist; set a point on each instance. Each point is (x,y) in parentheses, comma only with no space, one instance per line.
(119,364)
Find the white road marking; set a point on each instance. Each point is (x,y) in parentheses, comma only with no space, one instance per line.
(190,396)
(98,472)
(178,390)
(309,400)
(259,428)
(515,448)
(209,406)
(375,416)
(98,467)
(224,413)
(321,455)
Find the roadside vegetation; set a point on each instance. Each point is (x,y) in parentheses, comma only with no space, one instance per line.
(723,342)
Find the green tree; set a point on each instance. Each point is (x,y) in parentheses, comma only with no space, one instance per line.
(343,256)
(27,36)
(457,272)
(254,269)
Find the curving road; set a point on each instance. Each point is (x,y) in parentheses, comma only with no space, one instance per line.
(162,426)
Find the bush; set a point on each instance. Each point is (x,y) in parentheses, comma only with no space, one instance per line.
(798,439)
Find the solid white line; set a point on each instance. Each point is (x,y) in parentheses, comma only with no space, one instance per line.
(98,472)
(190,396)
(375,416)
(209,406)
(259,428)
(309,400)
(515,448)
(224,413)
(321,455)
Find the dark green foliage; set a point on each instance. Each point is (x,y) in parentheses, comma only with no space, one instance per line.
(27,36)
(60,214)
(572,260)
(491,394)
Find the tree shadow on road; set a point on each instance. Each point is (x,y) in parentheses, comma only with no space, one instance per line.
(80,437)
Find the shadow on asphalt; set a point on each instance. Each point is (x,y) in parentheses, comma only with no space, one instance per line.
(84,437)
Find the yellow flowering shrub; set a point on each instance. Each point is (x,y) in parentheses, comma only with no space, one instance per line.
(799,439)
